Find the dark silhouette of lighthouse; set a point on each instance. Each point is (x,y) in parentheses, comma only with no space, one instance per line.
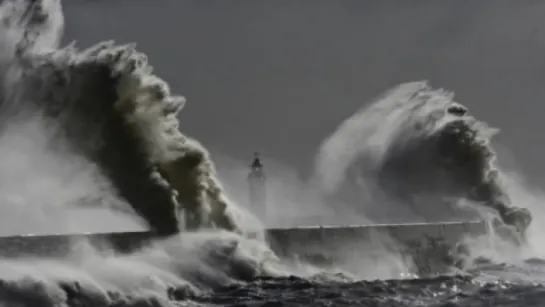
(258,189)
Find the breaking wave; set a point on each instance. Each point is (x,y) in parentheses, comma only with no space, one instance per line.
(417,152)
(110,109)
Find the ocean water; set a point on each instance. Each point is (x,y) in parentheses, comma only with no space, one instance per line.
(487,286)
(89,141)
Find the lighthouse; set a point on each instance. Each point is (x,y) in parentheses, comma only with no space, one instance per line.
(257,188)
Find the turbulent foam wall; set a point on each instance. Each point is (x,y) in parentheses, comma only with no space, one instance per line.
(115,112)
(422,149)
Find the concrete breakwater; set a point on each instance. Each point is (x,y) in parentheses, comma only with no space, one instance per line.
(425,247)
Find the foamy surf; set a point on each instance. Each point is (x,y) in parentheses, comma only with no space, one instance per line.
(175,269)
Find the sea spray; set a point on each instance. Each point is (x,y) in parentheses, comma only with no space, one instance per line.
(168,272)
(417,149)
(51,189)
(116,113)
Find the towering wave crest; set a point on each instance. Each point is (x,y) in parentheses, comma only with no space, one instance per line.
(113,111)
(416,148)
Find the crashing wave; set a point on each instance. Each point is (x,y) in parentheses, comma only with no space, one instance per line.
(422,149)
(116,113)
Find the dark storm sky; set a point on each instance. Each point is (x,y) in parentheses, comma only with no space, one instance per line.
(279,75)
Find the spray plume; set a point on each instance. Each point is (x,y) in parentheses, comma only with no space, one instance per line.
(114,112)
(417,147)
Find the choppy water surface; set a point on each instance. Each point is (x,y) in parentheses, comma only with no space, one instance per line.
(485,287)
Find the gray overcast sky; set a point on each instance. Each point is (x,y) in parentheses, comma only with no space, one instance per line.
(279,75)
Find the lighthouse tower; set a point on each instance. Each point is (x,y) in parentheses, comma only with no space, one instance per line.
(257,183)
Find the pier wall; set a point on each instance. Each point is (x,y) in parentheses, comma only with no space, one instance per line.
(426,247)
